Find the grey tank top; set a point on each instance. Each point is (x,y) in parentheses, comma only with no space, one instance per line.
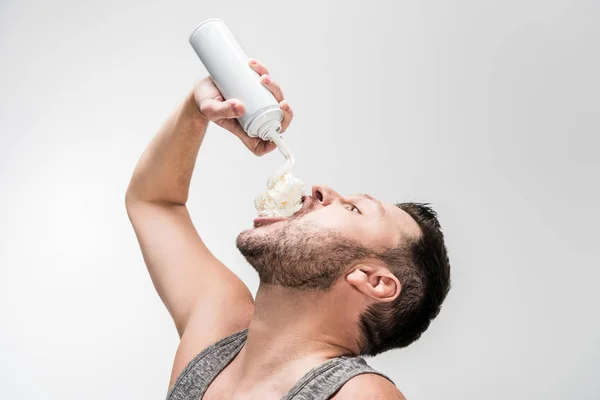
(320,383)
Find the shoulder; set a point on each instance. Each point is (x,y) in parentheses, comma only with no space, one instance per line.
(368,387)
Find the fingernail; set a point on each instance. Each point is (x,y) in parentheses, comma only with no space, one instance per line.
(252,61)
(267,78)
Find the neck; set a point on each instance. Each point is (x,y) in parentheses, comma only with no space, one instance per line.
(291,332)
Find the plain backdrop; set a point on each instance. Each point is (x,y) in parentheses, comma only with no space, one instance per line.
(487,109)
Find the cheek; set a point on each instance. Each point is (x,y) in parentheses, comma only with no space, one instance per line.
(337,219)
(369,232)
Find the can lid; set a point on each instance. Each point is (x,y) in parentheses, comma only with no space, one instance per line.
(272,125)
(269,118)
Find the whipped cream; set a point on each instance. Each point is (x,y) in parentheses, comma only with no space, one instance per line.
(283,196)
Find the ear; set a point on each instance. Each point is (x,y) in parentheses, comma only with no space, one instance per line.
(376,281)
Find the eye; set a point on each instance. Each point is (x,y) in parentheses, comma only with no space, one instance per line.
(353,208)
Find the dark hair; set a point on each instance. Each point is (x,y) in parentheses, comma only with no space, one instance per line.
(423,268)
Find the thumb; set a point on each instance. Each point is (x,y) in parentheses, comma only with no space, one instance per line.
(216,110)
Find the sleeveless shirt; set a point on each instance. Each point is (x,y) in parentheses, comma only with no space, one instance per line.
(320,383)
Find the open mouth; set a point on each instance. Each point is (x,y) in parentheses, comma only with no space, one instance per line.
(262,221)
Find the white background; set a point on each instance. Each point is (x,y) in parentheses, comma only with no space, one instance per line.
(487,109)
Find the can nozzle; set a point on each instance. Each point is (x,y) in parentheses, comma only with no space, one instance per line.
(274,137)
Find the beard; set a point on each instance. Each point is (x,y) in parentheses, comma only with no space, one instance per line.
(299,254)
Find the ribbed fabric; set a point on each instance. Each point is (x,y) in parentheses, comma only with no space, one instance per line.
(320,383)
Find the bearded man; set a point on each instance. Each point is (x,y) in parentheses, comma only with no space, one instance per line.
(344,277)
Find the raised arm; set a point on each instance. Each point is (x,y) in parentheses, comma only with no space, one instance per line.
(205,299)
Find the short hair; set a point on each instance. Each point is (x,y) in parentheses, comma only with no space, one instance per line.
(423,268)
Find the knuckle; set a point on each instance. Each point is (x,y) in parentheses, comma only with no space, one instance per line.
(206,109)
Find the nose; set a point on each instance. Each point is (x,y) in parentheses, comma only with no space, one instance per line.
(324,194)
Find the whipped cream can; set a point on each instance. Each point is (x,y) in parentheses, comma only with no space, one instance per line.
(227,64)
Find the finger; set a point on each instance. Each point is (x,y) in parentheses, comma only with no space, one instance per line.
(265,147)
(257,145)
(216,110)
(232,126)
(257,66)
(288,115)
(273,87)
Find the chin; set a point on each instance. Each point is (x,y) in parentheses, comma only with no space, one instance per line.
(256,234)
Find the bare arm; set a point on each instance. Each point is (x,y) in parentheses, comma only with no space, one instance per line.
(182,269)
(205,299)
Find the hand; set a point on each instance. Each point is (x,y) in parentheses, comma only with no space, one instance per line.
(213,106)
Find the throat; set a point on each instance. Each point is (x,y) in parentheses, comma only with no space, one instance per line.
(291,332)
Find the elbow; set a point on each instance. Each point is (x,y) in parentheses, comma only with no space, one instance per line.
(130,199)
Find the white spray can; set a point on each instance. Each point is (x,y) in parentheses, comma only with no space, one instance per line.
(227,64)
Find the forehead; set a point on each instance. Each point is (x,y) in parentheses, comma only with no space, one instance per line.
(394,224)
(401,221)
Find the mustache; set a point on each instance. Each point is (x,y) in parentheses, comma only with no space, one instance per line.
(309,204)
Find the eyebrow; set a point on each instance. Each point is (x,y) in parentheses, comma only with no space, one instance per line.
(373,199)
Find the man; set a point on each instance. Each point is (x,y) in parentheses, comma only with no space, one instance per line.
(341,278)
